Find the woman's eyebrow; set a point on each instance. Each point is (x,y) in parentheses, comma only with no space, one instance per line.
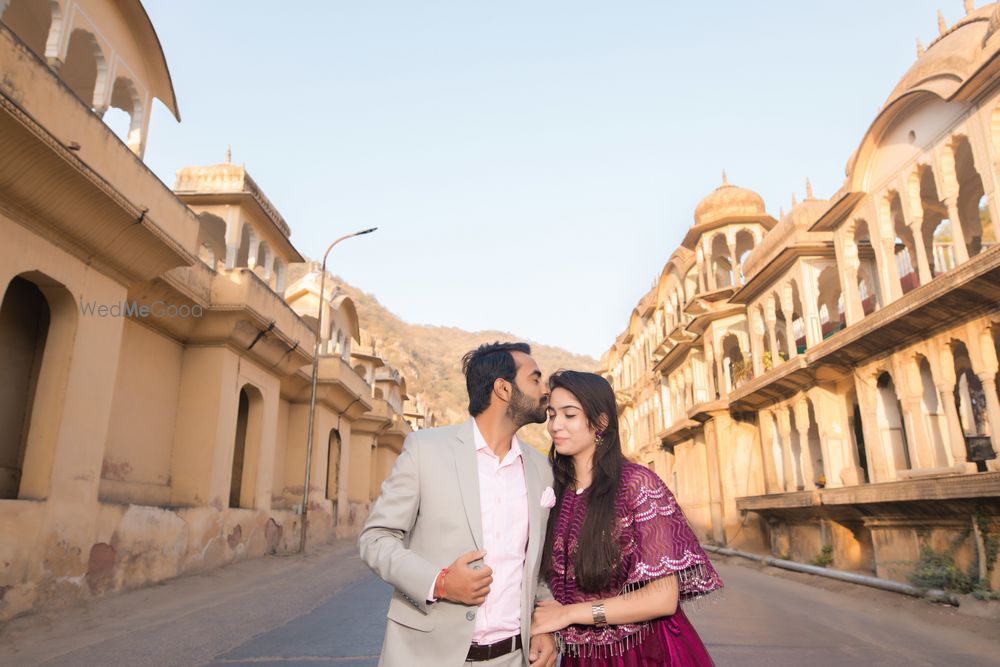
(565,407)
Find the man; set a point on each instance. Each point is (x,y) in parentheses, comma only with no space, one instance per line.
(459,526)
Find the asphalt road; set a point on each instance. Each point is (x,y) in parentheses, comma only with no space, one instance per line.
(326,609)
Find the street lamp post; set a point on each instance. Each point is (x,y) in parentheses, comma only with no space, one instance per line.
(312,390)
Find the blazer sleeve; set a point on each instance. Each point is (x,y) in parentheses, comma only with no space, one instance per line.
(392,517)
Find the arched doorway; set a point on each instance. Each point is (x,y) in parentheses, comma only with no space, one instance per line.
(332,464)
(242,486)
(24,327)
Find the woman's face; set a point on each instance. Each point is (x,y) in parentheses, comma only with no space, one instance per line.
(571,434)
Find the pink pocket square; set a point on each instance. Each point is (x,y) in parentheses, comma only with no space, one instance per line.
(548,497)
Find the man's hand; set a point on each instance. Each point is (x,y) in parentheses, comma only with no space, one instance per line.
(467,585)
(542,652)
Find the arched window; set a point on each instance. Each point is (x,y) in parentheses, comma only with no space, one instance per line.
(973,212)
(31,21)
(830,302)
(212,236)
(722,263)
(744,246)
(904,248)
(125,115)
(935,228)
(867,274)
(85,66)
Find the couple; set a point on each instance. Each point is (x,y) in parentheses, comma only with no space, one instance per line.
(486,574)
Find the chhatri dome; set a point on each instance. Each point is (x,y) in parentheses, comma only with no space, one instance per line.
(729,202)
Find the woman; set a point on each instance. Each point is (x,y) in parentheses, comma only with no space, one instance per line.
(619,555)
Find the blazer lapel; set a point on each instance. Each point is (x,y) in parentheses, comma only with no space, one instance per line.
(468,480)
(533,485)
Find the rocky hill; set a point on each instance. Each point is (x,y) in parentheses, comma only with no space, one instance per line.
(431,358)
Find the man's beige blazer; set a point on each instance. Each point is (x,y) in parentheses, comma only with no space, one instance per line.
(427,515)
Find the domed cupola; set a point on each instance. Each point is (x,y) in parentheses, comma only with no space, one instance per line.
(729,202)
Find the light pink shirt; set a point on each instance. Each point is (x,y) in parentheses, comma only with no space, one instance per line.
(503,497)
(503,501)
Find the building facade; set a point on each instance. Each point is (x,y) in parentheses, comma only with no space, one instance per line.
(156,343)
(828,379)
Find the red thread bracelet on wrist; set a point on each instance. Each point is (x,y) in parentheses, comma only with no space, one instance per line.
(439,585)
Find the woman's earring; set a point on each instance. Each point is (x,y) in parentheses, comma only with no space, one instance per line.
(599,438)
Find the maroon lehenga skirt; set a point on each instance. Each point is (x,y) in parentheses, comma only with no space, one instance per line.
(671,641)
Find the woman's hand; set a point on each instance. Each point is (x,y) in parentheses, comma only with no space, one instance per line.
(549,616)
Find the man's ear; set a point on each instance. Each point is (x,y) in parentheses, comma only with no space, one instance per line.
(502,389)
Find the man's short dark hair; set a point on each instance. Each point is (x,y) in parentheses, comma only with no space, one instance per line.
(483,366)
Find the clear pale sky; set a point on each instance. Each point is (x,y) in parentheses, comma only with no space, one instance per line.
(530,165)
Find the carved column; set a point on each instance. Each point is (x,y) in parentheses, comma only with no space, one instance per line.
(713,389)
(853,308)
(734,264)
(699,263)
(989,379)
(765,425)
(710,260)
(714,482)
(878,468)
(785,430)
(831,418)
(805,451)
(757,345)
(987,374)
(788,310)
(254,249)
(946,390)
(957,233)
(923,266)
(771,320)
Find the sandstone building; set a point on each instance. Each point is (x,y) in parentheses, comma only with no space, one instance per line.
(155,343)
(829,378)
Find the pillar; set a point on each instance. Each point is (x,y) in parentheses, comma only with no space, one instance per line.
(850,263)
(765,427)
(957,233)
(877,466)
(923,266)
(714,482)
(234,228)
(805,451)
(785,430)
(771,321)
(734,264)
(788,310)
(945,381)
(834,438)
(987,374)
(254,249)
(713,389)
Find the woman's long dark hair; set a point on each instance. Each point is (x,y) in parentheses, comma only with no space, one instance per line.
(597,556)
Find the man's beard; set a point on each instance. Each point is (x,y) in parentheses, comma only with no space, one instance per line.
(521,410)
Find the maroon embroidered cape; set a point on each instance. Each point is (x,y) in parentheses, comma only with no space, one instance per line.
(654,540)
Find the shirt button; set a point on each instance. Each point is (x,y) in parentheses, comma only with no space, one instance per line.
(470,615)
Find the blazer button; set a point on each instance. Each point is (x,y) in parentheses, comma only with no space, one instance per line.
(470,615)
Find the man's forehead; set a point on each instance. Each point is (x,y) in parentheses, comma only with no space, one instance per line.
(525,363)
